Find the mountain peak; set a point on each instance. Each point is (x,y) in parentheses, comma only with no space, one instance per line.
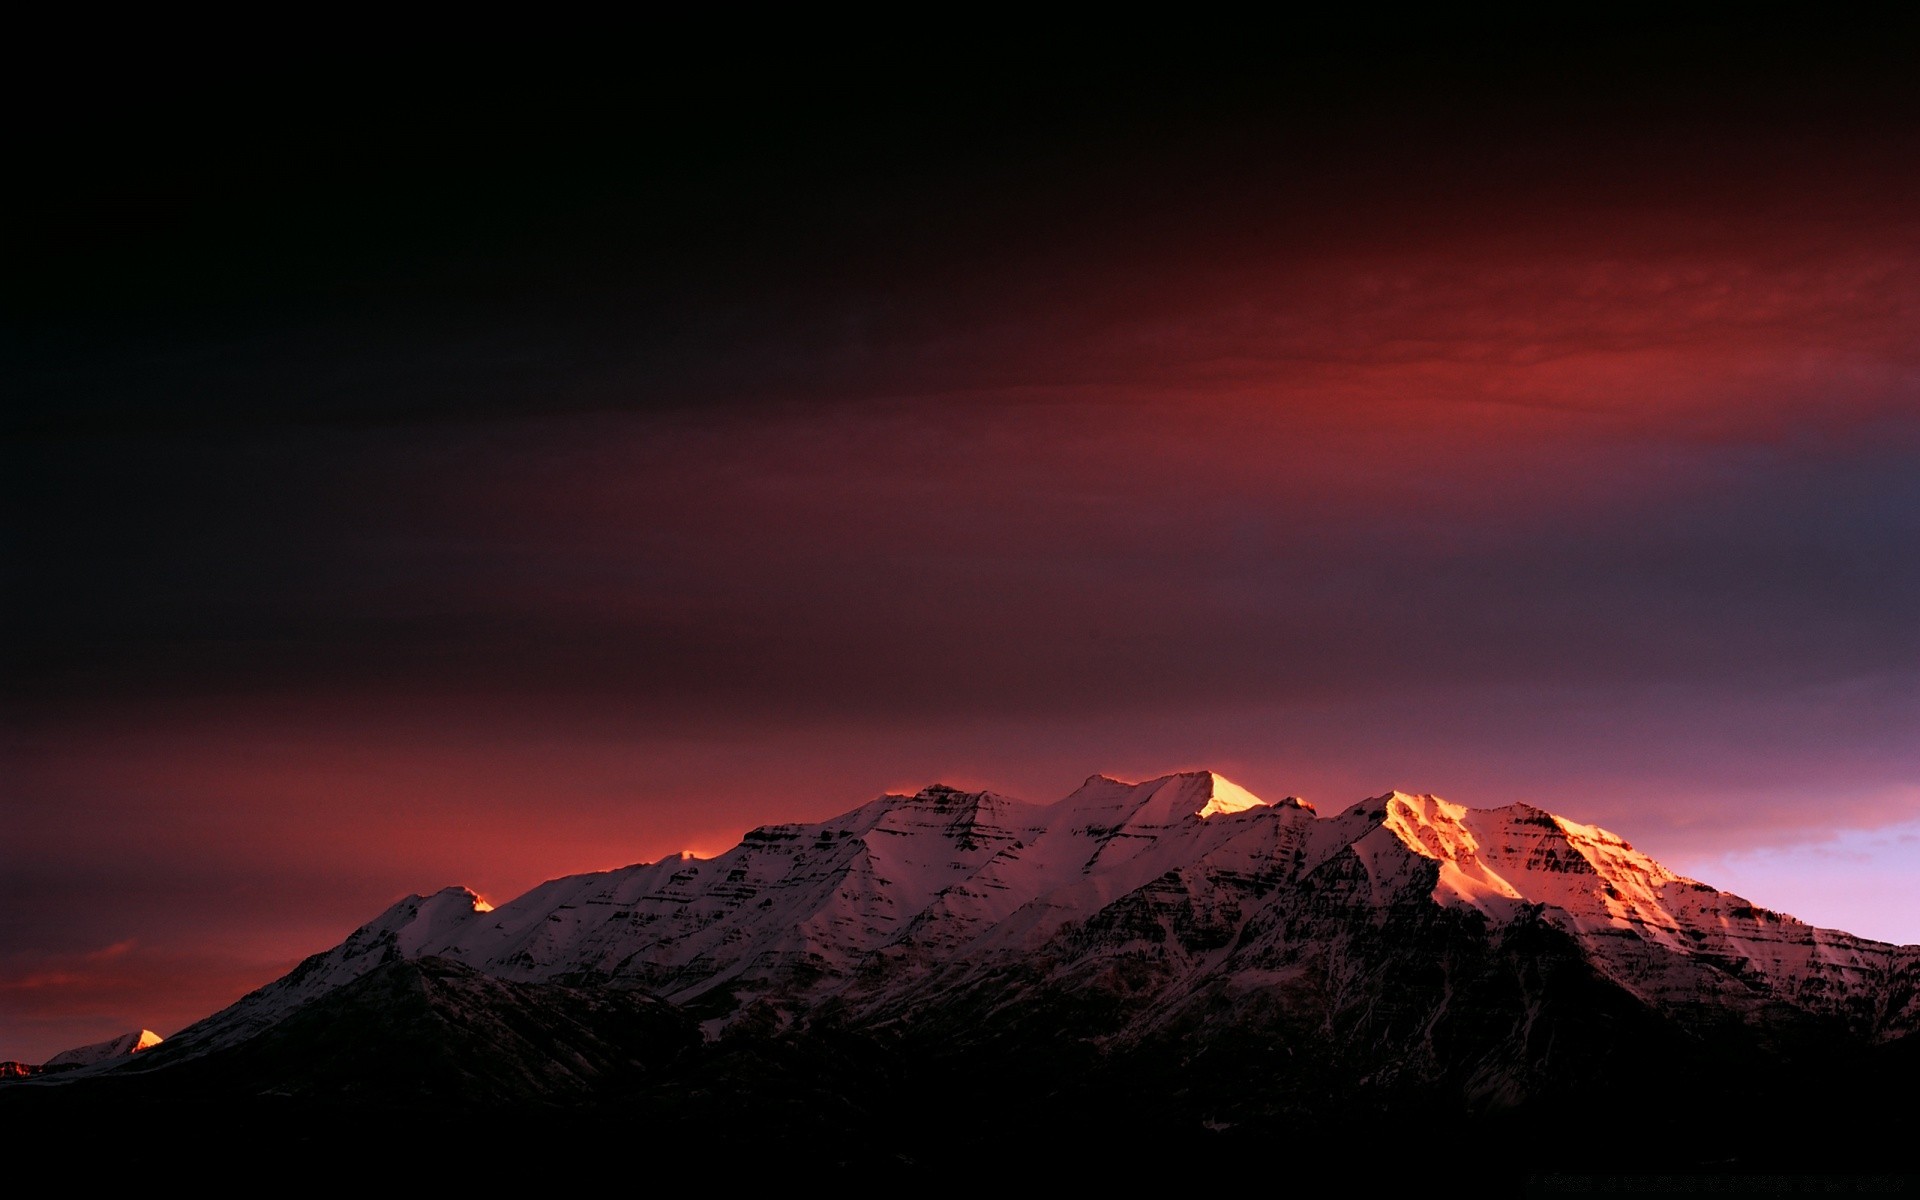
(125,1045)
(1224,795)
(1164,800)
(415,920)
(458,894)
(937,794)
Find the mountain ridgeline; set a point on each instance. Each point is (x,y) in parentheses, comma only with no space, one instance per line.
(1211,969)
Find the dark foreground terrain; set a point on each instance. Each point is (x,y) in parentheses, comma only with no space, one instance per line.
(428,1070)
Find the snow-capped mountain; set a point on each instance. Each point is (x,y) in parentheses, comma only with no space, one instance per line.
(1199,894)
(109,1053)
(1154,974)
(124,1046)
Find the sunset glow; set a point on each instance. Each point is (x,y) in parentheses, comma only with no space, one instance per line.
(612,474)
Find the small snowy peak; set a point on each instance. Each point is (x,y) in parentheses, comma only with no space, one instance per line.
(1110,838)
(124,1046)
(1437,829)
(1611,854)
(1226,796)
(918,852)
(965,818)
(1496,859)
(436,918)
(1592,875)
(1429,825)
(1368,812)
(1328,836)
(1389,869)
(1158,803)
(409,928)
(1101,799)
(936,805)
(1622,905)
(1108,822)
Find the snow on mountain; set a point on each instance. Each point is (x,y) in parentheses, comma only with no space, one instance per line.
(406,930)
(124,1046)
(911,897)
(1619,903)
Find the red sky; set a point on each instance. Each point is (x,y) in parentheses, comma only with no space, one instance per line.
(494,476)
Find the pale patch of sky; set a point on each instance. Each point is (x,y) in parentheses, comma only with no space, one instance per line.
(1865,881)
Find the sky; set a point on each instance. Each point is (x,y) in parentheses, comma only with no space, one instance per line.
(433,463)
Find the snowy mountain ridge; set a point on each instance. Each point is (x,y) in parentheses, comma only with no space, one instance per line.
(1190,888)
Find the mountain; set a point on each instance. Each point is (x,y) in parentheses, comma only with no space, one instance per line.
(909,897)
(125,1045)
(1176,954)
